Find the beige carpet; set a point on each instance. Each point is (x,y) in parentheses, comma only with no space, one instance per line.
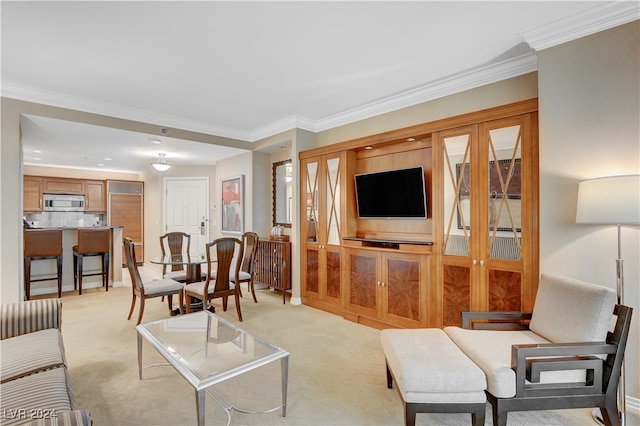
(336,370)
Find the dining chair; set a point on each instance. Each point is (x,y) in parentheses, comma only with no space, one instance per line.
(154,288)
(220,255)
(247,269)
(174,243)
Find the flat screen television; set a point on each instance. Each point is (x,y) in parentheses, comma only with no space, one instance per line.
(392,194)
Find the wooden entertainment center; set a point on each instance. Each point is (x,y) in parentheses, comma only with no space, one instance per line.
(425,272)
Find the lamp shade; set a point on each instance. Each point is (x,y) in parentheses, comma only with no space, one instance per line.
(161,164)
(609,200)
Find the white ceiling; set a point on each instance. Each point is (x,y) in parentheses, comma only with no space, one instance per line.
(248,70)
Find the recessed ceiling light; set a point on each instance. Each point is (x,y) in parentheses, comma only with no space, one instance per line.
(100,165)
(37,158)
(107,159)
(37,151)
(155,142)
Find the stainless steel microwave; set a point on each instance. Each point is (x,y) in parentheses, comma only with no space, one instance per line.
(63,203)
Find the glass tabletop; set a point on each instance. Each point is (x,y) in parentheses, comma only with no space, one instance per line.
(180,259)
(207,349)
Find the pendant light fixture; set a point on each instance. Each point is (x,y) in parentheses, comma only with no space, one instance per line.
(161,164)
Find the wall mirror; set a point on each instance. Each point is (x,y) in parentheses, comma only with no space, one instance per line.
(282,193)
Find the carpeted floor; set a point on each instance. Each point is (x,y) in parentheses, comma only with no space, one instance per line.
(336,370)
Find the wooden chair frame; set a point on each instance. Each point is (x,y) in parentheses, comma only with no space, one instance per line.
(138,287)
(250,240)
(528,361)
(225,249)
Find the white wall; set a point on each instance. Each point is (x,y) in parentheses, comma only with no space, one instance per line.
(589,127)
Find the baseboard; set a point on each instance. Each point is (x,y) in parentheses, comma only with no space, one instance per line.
(633,405)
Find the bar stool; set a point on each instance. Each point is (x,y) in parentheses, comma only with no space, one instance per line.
(41,244)
(91,242)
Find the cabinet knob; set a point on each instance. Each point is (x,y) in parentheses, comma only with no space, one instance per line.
(482,263)
(474,262)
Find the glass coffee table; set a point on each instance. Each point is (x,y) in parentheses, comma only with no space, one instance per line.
(207,349)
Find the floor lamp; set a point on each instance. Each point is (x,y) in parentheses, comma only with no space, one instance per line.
(611,200)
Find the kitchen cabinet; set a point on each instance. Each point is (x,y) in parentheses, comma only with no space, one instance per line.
(273,265)
(489,258)
(32,194)
(53,185)
(95,196)
(323,219)
(387,287)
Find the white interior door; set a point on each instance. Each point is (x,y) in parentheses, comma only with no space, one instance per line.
(186,209)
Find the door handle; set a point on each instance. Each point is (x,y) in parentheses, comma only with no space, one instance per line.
(201,228)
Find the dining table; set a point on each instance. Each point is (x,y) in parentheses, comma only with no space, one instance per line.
(192,264)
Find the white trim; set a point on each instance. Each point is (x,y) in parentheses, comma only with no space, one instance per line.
(594,20)
(296,301)
(633,405)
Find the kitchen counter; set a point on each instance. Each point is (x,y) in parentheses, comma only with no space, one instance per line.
(70,239)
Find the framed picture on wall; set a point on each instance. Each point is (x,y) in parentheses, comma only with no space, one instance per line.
(233,205)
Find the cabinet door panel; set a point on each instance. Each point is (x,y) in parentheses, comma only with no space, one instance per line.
(456,293)
(403,288)
(311,272)
(505,290)
(333,275)
(32,194)
(363,283)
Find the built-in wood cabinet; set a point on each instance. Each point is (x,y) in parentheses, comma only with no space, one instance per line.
(54,185)
(93,190)
(386,286)
(477,249)
(95,196)
(126,209)
(323,219)
(273,265)
(487,221)
(32,194)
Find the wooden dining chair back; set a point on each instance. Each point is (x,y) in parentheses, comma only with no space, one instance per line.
(40,244)
(220,261)
(150,289)
(247,269)
(174,243)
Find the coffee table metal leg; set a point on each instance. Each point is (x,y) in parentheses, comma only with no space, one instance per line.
(139,356)
(200,406)
(284,364)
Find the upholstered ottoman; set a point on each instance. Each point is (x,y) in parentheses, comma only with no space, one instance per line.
(432,374)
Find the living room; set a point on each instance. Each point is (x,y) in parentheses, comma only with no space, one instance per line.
(588,106)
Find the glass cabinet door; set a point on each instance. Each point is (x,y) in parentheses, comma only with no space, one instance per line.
(459,184)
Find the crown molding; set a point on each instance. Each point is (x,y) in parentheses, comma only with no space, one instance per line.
(467,80)
(594,20)
(28,94)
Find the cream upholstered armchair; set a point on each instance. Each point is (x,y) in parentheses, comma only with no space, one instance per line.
(565,357)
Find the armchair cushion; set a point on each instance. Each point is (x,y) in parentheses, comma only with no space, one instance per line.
(586,319)
(45,351)
(491,351)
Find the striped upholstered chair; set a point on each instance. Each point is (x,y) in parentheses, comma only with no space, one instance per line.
(33,369)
